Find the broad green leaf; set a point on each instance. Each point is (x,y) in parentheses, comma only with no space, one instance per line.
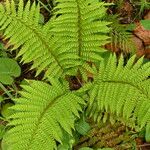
(1,46)
(2,50)
(4,145)
(6,112)
(67,142)
(8,69)
(146,24)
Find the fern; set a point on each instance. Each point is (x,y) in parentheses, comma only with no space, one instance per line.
(22,29)
(143,4)
(74,34)
(78,27)
(41,114)
(80,21)
(72,38)
(122,91)
(121,39)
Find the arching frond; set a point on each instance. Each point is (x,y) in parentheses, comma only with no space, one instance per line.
(74,35)
(20,25)
(122,91)
(78,28)
(40,115)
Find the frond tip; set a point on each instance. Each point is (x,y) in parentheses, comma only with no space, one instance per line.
(122,91)
(41,114)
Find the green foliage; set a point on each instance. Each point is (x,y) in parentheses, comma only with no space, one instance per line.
(67,142)
(23,29)
(147,135)
(101,135)
(48,46)
(121,39)
(105,149)
(143,4)
(5,112)
(146,24)
(8,69)
(121,91)
(2,51)
(44,115)
(79,20)
(1,98)
(41,114)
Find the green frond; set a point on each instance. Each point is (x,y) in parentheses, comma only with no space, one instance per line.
(78,27)
(121,39)
(122,91)
(143,4)
(40,115)
(23,30)
(74,35)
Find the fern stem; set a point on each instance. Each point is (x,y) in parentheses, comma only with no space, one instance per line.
(40,118)
(79,27)
(44,6)
(123,82)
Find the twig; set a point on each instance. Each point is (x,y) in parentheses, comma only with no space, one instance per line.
(44,6)
(6,91)
(143,145)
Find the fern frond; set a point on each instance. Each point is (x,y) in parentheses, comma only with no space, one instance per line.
(74,35)
(78,27)
(143,4)
(21,26)
(122,91)
(40,115)
(121,39)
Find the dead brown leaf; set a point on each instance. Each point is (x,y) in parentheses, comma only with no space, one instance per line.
(142,34)
(147,16)
(138,43)
(143,52)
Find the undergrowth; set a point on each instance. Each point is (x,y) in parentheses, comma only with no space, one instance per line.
(113,91)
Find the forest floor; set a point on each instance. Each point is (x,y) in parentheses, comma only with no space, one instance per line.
(140,36)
